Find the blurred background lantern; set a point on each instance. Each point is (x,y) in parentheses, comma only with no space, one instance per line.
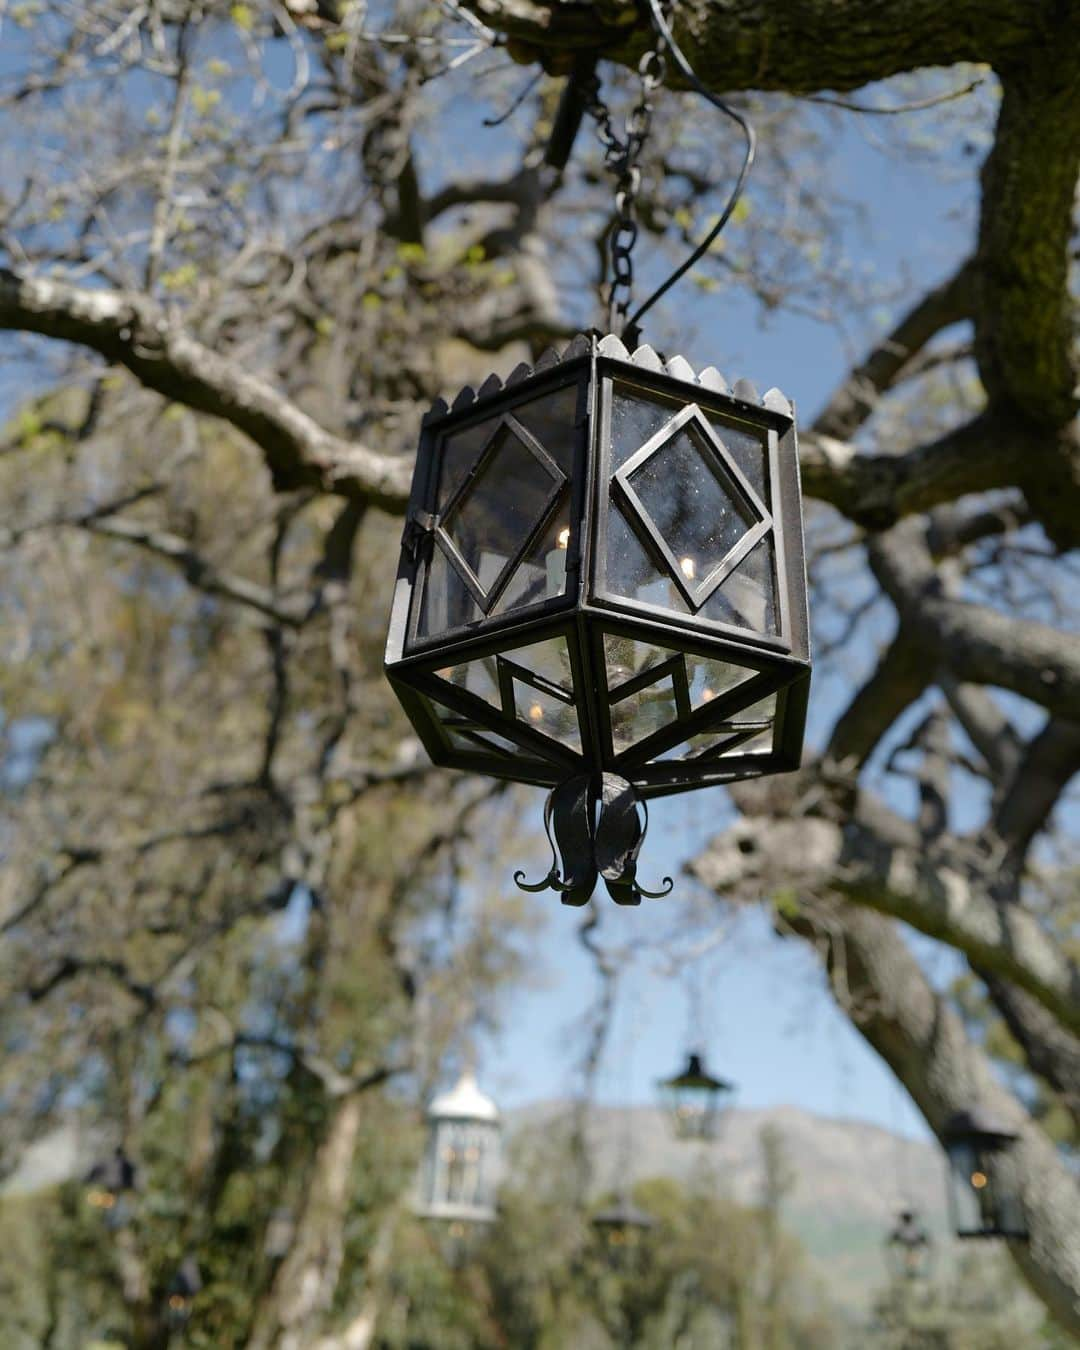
(695,1099)
(984,1197)
(602,581)
(460,1167)
(184,1285)
(909,1248)
(621,1231)
(108,1187)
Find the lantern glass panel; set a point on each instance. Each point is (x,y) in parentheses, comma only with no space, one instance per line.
(632,572)
(460,452)
(689,500)
(500,506)
(479,677)
(459,1179)
(747,598)
(541,573)
(636,417)
(749,451)
(447,602)
(688,528)
(553,420)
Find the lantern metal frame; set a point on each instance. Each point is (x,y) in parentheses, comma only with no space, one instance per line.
(978,1145)
(472,733)
(699,1117)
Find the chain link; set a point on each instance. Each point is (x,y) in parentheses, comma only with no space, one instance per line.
(621,155)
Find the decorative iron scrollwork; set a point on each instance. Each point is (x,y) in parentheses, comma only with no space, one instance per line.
(596,824)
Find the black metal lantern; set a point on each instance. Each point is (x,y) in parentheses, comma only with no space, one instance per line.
(461,1164)
(602,590)
(909,1248)
(621,1231)
(185,1284)
(695,1099)
(984,1193)
(108,1185)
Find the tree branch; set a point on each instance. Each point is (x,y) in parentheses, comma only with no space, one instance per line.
(130,330)
(855,400)
(802,47)
(766,854)
(1049,762)
(898,680)
(197,571)
(875,491)
(973,642)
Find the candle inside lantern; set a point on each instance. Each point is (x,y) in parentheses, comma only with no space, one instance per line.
(556,564)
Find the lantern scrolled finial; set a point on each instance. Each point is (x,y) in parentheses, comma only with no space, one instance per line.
(593,824)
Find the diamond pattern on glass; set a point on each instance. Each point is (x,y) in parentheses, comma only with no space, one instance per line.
(498,509)
(541,573)
(652,687)
(530,686)
(747,598)
(447,603)
(698,509)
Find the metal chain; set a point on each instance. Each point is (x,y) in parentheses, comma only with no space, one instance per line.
(621,157)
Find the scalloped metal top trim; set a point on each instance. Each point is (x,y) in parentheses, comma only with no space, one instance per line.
(644,357)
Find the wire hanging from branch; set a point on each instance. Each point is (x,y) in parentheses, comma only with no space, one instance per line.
(663,29)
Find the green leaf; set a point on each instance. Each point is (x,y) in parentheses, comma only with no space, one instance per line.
(180,278)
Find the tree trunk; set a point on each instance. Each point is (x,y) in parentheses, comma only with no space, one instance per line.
(303,1288)
(883,989)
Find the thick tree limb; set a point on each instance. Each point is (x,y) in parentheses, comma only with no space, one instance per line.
(856,399)
(875,491)
(1049,762)
(803,46)
(972,642)
(987,727)
(897,681)
(881,985)
(1050,1051)
(764,854)
(131,331)
(1023,327)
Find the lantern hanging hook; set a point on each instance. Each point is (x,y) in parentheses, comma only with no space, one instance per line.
(663,31)
(593,825)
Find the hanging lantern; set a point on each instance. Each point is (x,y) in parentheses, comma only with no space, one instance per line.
(984,1192)
(108,1185)
(909,1248)
(184,1285)
(602,591)
(621,1231)
(695,1099)
(459,1174)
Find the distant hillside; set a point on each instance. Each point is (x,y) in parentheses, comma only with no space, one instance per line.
(849,1178)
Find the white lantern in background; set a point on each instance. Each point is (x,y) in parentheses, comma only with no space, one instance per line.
(459,1175)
